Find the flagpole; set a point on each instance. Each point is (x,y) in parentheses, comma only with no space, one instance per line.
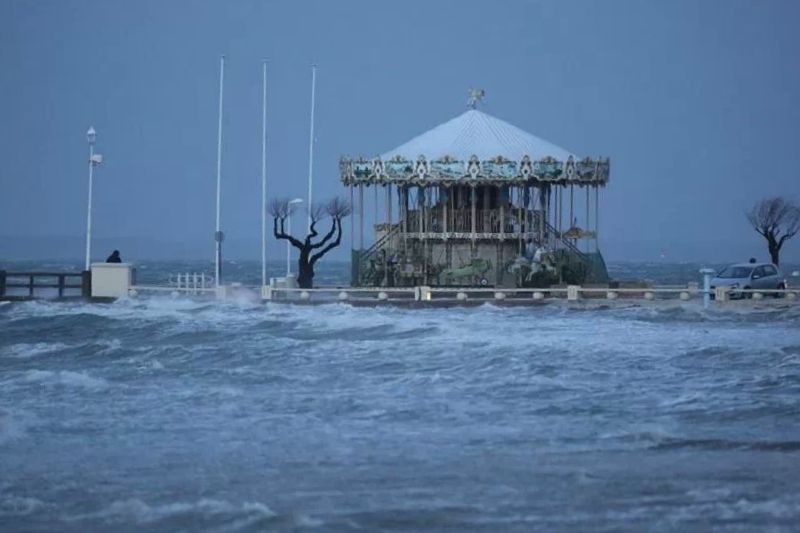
(264,175)
(311,144)
(91,136)
(218,233)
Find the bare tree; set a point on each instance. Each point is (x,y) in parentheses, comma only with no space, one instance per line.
(310,251)
(777,220)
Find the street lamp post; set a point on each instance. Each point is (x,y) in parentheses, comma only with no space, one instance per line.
(288,244)
(94,160)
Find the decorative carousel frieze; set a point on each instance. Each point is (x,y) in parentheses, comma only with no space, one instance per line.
(497,170)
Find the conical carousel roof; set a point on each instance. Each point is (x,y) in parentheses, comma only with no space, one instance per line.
(476,133)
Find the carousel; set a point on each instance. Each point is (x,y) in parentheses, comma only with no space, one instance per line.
(476,201)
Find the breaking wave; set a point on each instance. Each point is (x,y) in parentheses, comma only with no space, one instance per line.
(174,414)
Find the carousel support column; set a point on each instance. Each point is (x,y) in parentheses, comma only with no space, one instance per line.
(502,202)
(352,221)
(458,208)
(361,216)
(529,209)
(557,214)
(389,205)
(544,208)
(587,217)
(596,218)
(520,217)
(421,209)
(473,201)
(423,245)
(526,214)
(445,213)
(561,191)
(486,218)
(550,210)
(472,220)
(571,206)
(405,201)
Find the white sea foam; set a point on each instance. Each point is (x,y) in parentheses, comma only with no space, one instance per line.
(19,506)
(65,378)
(136,510)
(27,350)
(303,520)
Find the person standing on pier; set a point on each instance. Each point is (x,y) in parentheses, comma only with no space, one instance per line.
(114,257)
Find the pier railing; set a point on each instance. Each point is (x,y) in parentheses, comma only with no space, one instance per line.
(523,295)
(28,285)
(187,284)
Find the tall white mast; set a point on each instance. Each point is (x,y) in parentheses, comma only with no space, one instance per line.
(264,175)
(311,145)
(91,136)
(218,233)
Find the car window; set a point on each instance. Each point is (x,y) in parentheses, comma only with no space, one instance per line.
(759,272)
(769,270)
(735,272)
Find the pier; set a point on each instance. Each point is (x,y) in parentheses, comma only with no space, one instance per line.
(31,285)
(107,282)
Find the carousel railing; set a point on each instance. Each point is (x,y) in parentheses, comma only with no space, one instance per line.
(494,221)
(365,275)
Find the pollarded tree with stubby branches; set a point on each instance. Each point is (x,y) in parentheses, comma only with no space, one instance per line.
(310,251)
(777,220)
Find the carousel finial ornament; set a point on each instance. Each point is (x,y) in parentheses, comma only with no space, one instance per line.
(475,96)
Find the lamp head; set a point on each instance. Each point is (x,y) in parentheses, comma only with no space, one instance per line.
(91,135)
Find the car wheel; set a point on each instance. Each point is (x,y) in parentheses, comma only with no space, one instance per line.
(781,287)
(747,295)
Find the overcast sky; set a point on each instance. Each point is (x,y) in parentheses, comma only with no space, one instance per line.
(695,102)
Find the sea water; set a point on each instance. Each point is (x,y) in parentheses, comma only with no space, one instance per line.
(165,414)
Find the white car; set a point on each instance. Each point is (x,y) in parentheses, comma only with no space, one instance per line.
(747,276)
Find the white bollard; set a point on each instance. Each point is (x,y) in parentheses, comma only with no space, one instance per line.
(133,293)
(499,296)
(649,296)
(791,295)
(461,296)
(707,273)
(305,295)
(685,296)
(721,294)
(573,292)
(758,296)
(611,295)
(538,295)
(343,296)
(383,296)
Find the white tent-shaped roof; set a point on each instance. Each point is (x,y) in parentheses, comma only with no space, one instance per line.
(479,134)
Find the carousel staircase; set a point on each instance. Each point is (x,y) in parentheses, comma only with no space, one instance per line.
(362,275)
(593,262)
(568,244)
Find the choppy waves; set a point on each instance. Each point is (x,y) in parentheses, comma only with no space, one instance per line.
(172,414)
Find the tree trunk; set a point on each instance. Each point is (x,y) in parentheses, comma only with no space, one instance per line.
(305,276)
(305,271)
(775,252)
